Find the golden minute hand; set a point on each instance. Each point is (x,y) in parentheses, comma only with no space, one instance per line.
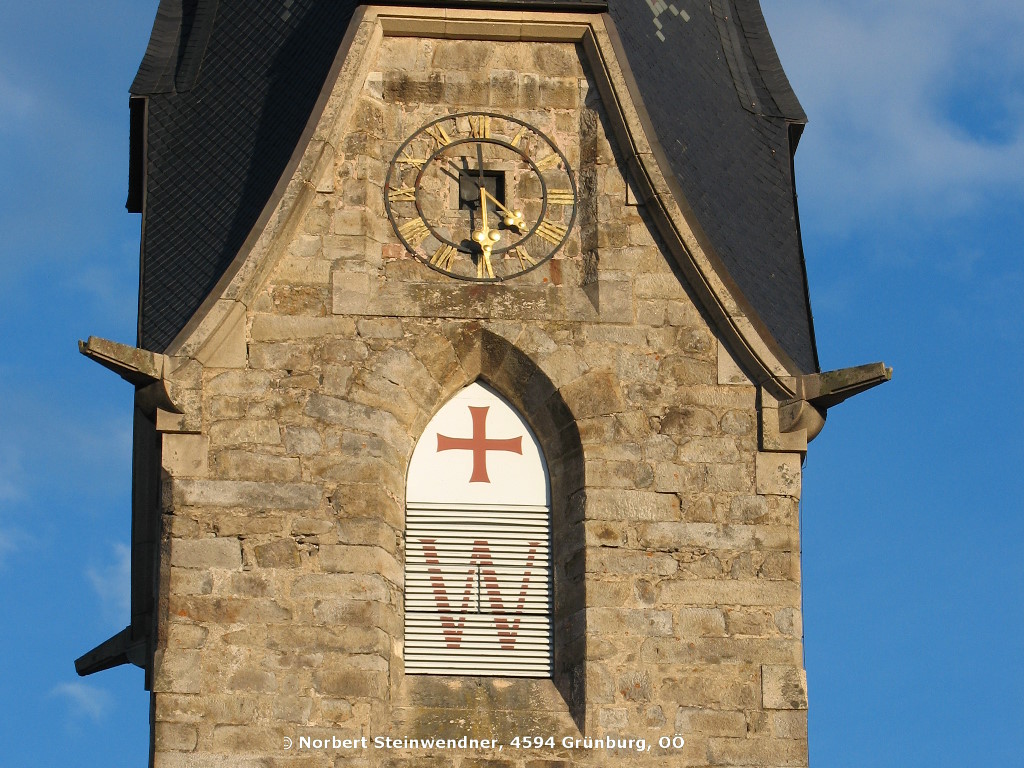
(512,218)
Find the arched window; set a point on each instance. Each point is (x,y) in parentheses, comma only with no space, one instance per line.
(478,573)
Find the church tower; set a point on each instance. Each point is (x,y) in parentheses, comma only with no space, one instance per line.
(475,370)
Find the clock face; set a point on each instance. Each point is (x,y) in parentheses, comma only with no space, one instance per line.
(480,196)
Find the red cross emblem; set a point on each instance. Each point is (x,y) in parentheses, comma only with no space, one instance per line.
(479,444)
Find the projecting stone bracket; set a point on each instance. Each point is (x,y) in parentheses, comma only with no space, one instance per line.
(122,648)
(146,370)
(791,424)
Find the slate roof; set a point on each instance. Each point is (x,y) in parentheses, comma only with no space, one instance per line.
(230,85)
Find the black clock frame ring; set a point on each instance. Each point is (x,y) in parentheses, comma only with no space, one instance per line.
(392,214)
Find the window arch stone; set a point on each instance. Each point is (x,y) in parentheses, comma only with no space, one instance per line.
(469,353)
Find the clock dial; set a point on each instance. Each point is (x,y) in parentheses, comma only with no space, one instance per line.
(480,196)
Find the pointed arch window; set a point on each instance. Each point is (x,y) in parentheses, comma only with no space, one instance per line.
(478,574)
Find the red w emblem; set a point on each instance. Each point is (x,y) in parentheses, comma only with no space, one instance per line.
(453,628)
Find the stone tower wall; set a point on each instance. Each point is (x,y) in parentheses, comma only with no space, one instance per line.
(677,558)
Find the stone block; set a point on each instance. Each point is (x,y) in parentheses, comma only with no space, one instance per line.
(218,707)
(356,559)
(206,553)
(351,683)
(266,327)
(775,752)
(185,455)
(789,724)
(182,635)
(369,531)
(228,610)
(629,621)
(347,586)
(380,328)
(186,581)
(715,593)
(293,709)
(240,383)
(180,737)
(783,687)
(238,464)
(177,672)
(689,478)
(700,622)
(670,537)
(778,474)
(245,739)
(283,553)
(302,270)
(619,561)
(207,760)
(747,509)
(245,493)
(252,680)
(245,432)
(595,393)
(615,504)
(710,722)
(709,688)
(301,441)
(613,718)
(281,356)
(310,526)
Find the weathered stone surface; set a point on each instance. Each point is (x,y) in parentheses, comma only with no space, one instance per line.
(185,455)
(595,393)
(180,737)
(783,687)
(725,751)
(712,593)
(778,474)
(237,493)
(676,573)
(789,724)
(251,465)
(283,553)
(609,504)
(177,671)
(206,553)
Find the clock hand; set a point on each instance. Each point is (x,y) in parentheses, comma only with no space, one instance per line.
(512,218)
(486,238)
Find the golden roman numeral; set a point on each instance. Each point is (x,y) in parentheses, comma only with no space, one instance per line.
(561,196)
(440,135)
(443,257)
(414,232)
(551,231)
(482,263)
(402,193)
(523,256)
(409,159)
(518,137)
(549,162)
(480,126)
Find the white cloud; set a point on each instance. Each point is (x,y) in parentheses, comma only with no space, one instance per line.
(112,583)
(84,699)
(915,107)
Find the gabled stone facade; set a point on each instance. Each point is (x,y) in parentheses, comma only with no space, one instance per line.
(299,394)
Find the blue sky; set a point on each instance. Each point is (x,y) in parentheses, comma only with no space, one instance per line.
(911,181)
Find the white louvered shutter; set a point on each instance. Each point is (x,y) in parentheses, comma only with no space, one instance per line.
(478,544)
